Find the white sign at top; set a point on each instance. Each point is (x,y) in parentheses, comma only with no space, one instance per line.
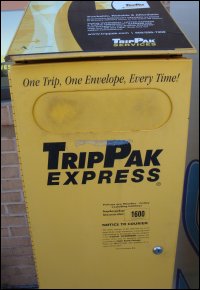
(122,5)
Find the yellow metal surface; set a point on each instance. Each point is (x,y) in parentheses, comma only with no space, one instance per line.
(99,206)
(143,109)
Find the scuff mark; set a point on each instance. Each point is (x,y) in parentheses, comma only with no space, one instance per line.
(100,142)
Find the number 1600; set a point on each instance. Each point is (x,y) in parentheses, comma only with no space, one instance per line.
(138,213)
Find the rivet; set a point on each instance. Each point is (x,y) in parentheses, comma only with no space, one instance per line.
(157,250)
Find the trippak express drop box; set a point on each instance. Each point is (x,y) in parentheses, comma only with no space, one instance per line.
(101,98)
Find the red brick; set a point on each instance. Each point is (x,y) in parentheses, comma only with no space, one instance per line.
(4,232)
(11,197)
(17,260)
(22,251)
(8,145)
(18,209)
(7,221)
(11,184)
(19,270)
(9,159)
(15,5)
(5,116)
(3,210)
(19,280)
(10,172)
(19,231)
(11,113)
(15,242)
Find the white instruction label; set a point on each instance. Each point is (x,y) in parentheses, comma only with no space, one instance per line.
(126,225)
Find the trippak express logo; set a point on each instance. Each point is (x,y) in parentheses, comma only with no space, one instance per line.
(118,42)
(117,163)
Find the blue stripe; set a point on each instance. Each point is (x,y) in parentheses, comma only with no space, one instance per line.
(190,204)
(181,282)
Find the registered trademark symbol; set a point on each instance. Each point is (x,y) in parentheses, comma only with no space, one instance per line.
(158,183)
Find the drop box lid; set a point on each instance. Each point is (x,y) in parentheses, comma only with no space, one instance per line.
(76,29)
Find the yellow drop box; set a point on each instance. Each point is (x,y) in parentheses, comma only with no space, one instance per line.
(102,143)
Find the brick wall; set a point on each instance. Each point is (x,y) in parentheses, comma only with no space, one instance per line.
(17,265)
